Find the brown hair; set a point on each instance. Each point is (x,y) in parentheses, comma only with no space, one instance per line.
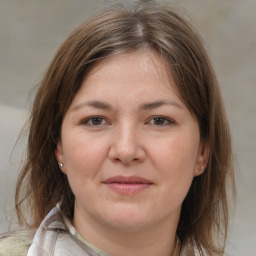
(112,31)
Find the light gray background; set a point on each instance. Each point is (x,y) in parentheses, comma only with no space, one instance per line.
(31,31)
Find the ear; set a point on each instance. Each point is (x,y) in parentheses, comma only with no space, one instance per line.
(202,158)
(60,156)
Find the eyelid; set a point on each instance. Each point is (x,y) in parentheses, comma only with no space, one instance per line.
(85,121)
(168,119)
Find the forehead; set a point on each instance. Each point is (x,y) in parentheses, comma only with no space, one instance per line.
(129,79)
(141,66)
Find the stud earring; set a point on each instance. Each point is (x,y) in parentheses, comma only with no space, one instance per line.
(201,168)
(61,165)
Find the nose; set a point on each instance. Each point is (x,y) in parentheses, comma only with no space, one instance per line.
(127,147)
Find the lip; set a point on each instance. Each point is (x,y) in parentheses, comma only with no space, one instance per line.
(127,184)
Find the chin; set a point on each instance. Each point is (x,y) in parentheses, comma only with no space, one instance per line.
(127,219)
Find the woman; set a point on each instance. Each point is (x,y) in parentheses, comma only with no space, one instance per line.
(129,149)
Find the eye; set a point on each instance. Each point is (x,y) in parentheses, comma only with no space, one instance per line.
(161,121)
(95,121)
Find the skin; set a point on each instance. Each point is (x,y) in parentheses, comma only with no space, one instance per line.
(126,120)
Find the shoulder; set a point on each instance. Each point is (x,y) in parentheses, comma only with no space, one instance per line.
(16,243)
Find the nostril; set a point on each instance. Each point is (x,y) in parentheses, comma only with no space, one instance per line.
(127,161)
(126,148)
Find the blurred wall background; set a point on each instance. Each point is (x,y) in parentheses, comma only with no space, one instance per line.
(31,31)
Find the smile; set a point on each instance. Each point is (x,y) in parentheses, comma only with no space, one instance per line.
(127,185)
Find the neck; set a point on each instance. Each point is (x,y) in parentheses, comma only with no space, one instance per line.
(157,240)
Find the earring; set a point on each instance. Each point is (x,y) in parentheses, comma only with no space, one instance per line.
(61,165)
(201,168)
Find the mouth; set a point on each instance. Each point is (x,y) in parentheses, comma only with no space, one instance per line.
(127,185)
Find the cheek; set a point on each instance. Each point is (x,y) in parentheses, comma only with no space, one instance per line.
(83,160)
(83,155)
(177,154)
(175,161)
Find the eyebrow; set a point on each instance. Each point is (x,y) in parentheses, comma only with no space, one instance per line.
(95,104)
(157,104)
(143,107)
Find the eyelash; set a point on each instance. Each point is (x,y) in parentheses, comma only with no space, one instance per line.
(89,121)
(163,120)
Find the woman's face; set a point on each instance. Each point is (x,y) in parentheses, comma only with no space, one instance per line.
(129,145)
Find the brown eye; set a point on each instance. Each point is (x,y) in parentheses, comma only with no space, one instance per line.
(95,121)
(160,121)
